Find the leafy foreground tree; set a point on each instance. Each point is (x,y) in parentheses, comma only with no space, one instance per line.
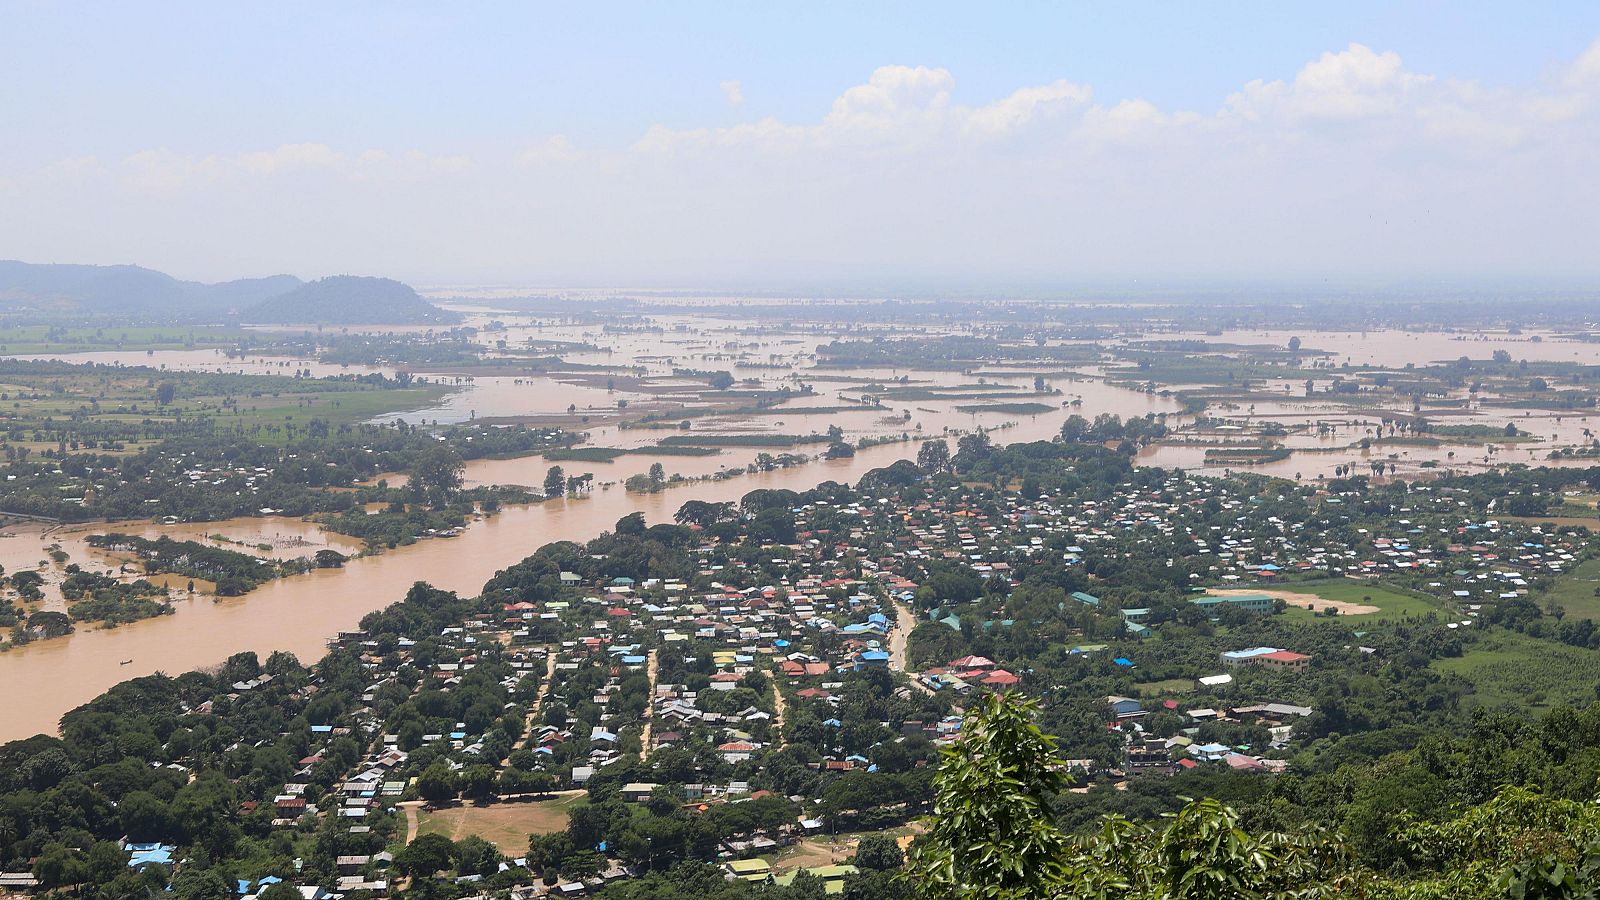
(1519,845)
(993,833)
(1201,854)
(994,836)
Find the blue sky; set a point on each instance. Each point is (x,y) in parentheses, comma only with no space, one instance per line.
(468,143)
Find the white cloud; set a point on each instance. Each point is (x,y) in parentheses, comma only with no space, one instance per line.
(1027,105)
(1584,73)
(1130,121)
(1354,84)
(898,106)
(894,97)
(297,156)
(733,92)
(1354,163)
(555,149)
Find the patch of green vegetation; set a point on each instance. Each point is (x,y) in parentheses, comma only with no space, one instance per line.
(1000,392)
(1163,688)
(41,339)
(1178,368)
(1513,670)
(1476,433)
(1578,591)
(584,454)
(397,525)
(1015,409)
(1247,456)
(742,440)
(800,410)
(1392,603)
(674,450)
(102,407)
(1406,442)
(345,407)
(234,573)
(99,598)
(608,454)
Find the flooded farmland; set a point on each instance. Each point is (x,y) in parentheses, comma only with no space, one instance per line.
(300,612)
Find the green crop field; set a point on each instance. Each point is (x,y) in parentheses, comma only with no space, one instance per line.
(1163,688)
(1511,669)
(1576,591)
(39,339)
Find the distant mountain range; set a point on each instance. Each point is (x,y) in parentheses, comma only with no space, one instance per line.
(277,299)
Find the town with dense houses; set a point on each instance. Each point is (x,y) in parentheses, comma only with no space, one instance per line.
(761,687)
(763,451)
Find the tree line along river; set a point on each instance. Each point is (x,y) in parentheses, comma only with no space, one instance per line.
(43,680)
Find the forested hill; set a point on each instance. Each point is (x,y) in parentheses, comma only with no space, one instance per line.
(127,290)
(349,300)
(134,292)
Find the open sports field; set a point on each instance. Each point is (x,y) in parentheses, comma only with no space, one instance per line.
(1359,600)
(506,825)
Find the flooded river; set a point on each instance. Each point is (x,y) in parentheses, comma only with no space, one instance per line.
(45,679)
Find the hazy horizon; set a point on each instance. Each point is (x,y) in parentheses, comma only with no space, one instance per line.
(906,148)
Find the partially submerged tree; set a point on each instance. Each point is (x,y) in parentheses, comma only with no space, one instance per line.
(438,473)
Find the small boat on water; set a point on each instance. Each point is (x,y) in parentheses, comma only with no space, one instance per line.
(125,662)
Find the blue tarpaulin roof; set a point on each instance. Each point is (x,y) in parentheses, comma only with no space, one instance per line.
(148,854)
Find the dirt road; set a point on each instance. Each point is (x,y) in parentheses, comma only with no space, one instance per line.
(538,702)
(411,808)
(650,670)
(898,638)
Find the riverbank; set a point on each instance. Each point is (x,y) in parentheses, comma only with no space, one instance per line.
(299,613)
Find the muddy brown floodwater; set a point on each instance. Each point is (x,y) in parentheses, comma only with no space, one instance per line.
(43,680)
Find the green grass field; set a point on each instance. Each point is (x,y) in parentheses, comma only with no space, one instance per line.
(1575,591)
(609,454)
(1392,604)
(27,339)
(336,407)
(1015,409)
(1511,669)
(1162,688)
(128,398)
